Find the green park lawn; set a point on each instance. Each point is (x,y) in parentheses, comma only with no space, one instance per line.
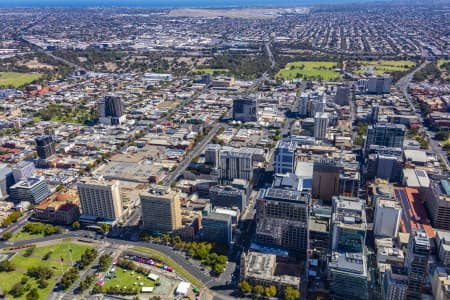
(124,278)
(309,70)
(165,260)
(22,235)
(445,73)
(201,71)
(23,263)
(380,67)
(17,79)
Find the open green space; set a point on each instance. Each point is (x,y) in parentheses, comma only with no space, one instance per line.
(16,80)
(441,62)
(65,114)
(22,235)
(128,278)
(380,67)
(444,67)
(310,70)
(164,259)
(22,263)
(212,71)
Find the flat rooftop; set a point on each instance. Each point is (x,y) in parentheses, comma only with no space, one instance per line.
(413,212)
(349,262)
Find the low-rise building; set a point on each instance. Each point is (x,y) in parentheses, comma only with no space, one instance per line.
(62,208)
(260,269)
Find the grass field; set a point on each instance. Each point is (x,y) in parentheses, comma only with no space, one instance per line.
(169,104)
(17,79)
(445,74)
(124,278)
(22,235)
(23,263)
(164,259)
(309,70)
(380,67)
(212,71)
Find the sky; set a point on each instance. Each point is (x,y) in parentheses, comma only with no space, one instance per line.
(166,3)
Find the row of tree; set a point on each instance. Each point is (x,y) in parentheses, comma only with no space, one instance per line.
(114,290)
(40,228)
(289,293)
(130,265)
(87,258)
(11,218)
(202,251)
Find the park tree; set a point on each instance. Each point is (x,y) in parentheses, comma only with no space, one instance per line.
(291,293)
(258,290)
(218,269)
(104,262)
(17,290)
(104,228)
(222,259)
(270,291)
(7,266)
(33,294)
(7,236)
(245,287)
(442,135)
(76,225)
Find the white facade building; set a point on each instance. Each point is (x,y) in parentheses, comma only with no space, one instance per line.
(387,217)
(320,125)
(100,198)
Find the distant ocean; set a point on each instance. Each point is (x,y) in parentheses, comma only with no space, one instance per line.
(167,3)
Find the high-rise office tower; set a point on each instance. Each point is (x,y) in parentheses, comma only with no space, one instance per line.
(326,176)
(374,114)
(342,95)
(228,196)
(23,170)
(111,110)
(303,103)
(44,146)
(417,263)
(100,198)
(212,155)
(317,103)
(235,163)
(379,84)
(217,228)
(349,276)
(245,110)
(349,224)
(6,180)
(387,217)
(284,161)
(161,211)
(320,125)
(438,203)
(389,135)
(282,218)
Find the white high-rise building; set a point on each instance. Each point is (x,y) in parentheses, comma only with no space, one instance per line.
(320,125)
(100,198)
(387,217)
